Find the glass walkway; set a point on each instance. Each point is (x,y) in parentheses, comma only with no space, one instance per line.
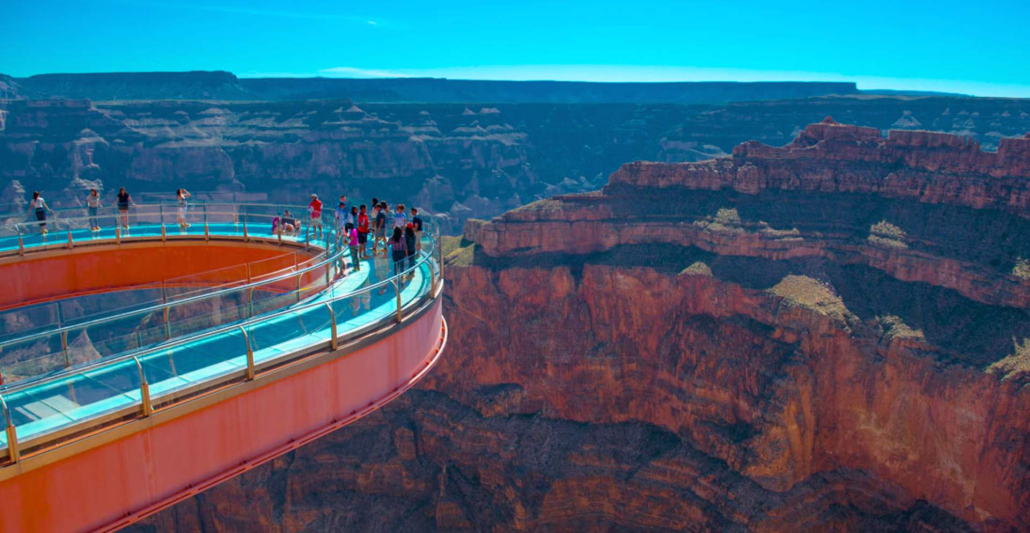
(331,303)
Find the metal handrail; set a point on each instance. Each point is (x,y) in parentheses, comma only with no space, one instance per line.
(23,384)
(144,389)
(12,433)
(56,220)
(158,205)
(161,306)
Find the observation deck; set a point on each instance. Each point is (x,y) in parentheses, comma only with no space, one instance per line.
(237,344)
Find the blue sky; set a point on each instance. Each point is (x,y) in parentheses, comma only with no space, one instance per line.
(970,47)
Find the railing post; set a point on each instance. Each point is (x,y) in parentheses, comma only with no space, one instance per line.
(144,389)
(12,434)
(21,245)
(168,325)
(332,323)
(118,234)
(164,234)
(64,348)
(70,243)
(250,354)
(250,302)
(161,213)
(206,236)
(245,237)
(397,289)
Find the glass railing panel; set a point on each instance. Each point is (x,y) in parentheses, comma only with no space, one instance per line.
(62,403)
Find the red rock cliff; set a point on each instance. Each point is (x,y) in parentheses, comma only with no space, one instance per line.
(809,352)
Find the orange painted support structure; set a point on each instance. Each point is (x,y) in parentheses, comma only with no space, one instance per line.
(147,464)
(68,273)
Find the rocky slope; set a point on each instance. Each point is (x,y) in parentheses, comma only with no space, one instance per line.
(456,161)
(829,336)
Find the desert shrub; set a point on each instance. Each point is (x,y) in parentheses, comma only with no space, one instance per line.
(1022,269)
(697,269)
(884,233)
(1016,363)
(812,294)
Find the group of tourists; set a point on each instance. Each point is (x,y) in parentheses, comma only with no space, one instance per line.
(39,206)
(392,234)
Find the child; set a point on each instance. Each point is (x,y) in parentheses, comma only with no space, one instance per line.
(400,220)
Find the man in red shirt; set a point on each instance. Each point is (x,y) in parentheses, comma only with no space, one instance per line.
(363,232)
(315,208)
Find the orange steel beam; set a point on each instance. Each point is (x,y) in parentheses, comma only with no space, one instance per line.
(129,472)
(63,274)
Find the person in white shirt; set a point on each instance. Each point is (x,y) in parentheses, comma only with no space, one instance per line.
(38,205)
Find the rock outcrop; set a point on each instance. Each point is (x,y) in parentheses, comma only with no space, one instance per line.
(804,348)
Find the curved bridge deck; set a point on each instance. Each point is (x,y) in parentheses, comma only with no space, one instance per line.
(364,337)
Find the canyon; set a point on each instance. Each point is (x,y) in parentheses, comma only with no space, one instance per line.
(829,335)
(454,160)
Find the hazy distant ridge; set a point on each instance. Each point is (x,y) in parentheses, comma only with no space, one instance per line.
(220,85)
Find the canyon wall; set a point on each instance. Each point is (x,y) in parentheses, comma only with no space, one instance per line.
(829,336)
(456,161)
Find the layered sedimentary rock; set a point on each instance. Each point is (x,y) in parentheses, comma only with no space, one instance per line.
(455,161)
(780,340)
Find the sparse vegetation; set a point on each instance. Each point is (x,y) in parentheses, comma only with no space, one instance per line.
(725,220)
(895,328)
(697,269)
(457,251)
(813,294)
(884,233)
(1016,363)
(768,231)
(1022,269)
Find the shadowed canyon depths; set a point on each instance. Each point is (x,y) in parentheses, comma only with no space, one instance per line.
(829,336)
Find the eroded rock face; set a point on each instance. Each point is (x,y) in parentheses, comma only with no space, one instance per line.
(455,161)
(682,354)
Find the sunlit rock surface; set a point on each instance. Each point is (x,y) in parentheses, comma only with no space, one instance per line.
(782,340)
